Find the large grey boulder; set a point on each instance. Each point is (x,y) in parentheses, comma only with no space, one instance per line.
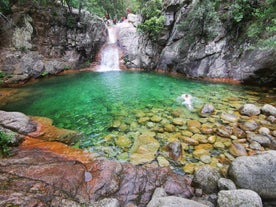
(17,122)
(239,198)
(257,173)
(206,178)
(160,199)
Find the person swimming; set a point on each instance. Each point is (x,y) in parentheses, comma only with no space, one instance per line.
(187,101)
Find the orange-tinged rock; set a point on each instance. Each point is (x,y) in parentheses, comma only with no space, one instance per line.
(58,148)
(46,131)
(204,146)
(189,168)
(237,149)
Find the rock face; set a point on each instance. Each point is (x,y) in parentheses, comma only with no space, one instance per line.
(138,50)
(47,40)
(257,173)
(218,53)
(43,178)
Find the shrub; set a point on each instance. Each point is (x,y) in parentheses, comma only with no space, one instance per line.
(153,19)
(5,143)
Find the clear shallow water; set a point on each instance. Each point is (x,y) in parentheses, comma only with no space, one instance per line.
(91,102)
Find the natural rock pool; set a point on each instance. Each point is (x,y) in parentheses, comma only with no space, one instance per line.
(138,116)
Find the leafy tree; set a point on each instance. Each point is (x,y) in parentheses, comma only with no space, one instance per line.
(154,20)
(263,26)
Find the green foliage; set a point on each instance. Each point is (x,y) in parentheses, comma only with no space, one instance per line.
(115,8)
(263,27)
(70,21)
(5,143)
(5,7)
(44,73)
(86,64)
(200,22)
(242,10)
(66,67)
(2,75)
(153,19)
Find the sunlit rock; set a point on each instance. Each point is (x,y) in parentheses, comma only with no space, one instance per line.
(143,150)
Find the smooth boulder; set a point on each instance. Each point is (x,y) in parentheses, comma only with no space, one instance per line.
(257,173)
(241,198)
(17,122)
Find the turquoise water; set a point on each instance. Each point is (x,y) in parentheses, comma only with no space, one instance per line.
(90,102)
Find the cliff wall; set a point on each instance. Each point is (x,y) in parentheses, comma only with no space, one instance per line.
(38,41)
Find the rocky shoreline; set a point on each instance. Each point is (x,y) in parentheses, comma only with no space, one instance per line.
(55,177)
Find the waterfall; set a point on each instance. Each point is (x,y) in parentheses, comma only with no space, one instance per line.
(110,53)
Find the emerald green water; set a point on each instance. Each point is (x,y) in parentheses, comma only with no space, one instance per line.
(91,102)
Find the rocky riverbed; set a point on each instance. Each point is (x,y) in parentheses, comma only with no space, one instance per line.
(231,163)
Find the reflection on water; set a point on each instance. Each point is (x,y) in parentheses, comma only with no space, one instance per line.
(104,106)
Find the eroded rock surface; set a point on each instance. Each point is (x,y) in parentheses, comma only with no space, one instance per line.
(40,177)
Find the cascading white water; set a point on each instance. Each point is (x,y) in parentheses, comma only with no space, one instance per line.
(110,53)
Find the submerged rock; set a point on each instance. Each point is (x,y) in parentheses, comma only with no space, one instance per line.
(207,109)
(143,150)
(250,110)
(269,109)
